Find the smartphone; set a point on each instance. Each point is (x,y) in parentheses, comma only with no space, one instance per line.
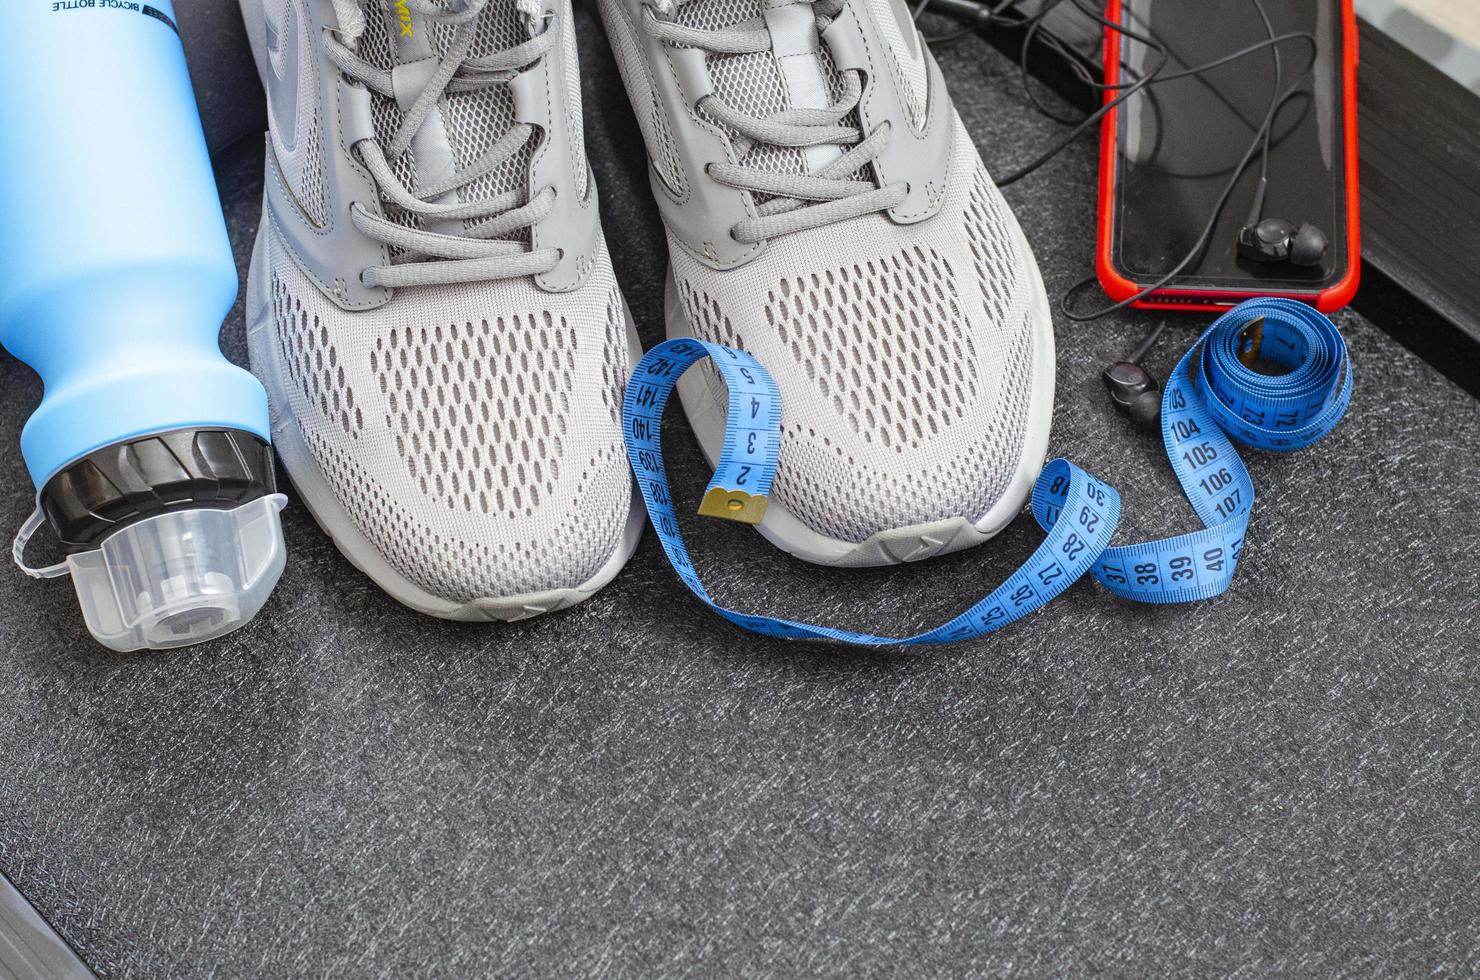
(1168,152)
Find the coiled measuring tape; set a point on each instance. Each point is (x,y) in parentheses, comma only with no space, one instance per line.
(1213,396)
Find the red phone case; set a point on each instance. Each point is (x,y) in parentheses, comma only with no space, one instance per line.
(1118,287)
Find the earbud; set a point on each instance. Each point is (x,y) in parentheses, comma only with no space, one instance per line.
(1135,393)
(1278,239)
(1308,246)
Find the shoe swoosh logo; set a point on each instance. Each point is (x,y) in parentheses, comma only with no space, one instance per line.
(282,87)
(287,188)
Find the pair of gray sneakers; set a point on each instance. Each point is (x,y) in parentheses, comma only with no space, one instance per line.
(433,312)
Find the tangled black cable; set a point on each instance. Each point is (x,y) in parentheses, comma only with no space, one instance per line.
(1005,13)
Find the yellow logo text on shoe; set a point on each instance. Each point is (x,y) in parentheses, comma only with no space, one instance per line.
(404,13)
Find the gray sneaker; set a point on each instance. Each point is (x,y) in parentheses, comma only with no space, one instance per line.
(431,305)
(827,212)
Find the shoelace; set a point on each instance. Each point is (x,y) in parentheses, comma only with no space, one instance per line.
(429,257)
(799,201)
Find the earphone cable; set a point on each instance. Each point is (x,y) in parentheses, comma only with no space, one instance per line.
(993,16)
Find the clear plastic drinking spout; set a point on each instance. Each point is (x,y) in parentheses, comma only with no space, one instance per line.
(182,577)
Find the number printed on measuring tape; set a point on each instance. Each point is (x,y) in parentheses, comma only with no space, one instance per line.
(1213,398)
(747,464)
(1212,395)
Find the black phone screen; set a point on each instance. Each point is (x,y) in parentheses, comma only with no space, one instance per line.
(1179,141)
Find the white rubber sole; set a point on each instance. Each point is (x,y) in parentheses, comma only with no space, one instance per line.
(915,542)
(313,489)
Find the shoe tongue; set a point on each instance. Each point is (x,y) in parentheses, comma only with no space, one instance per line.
(464,124)
(755,83)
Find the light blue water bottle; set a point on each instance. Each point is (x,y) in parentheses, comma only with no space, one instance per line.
(150,451)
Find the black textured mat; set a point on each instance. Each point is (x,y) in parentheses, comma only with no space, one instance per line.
(1281,780)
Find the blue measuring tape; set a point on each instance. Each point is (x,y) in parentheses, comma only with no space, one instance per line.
(1213,394)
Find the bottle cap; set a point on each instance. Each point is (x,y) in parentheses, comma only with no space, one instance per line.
(170,538)
(185,576)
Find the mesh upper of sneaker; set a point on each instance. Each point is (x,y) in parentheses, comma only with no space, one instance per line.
(904,355)
(472,433)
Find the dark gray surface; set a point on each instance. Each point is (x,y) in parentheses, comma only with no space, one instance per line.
(1280,780)
(222,71)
